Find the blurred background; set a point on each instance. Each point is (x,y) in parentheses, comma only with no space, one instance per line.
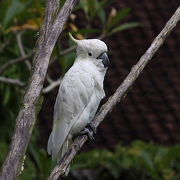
(140,138)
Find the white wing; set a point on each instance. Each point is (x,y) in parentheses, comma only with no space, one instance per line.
(74,95)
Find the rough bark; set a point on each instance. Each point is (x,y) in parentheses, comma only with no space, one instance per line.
(27,115)
(122,90)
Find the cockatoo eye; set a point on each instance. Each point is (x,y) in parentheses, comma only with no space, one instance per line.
(90,53)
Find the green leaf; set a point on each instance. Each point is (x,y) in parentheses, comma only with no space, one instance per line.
(30,170)
(161,158)
(15,8)
(7,95)
(84,5)
(67,60)
(36,155)
(102,15)
(100,11)
(119,16)
(4,150)
(93,8)
(123,27)
(113,168)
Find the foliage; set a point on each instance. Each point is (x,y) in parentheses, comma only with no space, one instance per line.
(138,161)
(20,15)
(20,21)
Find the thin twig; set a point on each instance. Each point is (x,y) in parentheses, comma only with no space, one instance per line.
(21,48)
(59,170)
(48,78)
(16,82)
(20,44)
(27,115)
(52,85)
(14,61)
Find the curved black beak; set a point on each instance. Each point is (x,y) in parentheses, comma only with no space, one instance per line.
(105,59)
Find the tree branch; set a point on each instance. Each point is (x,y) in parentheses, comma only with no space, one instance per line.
(48,78)
(52,85)
(14,61)
(16,82)
(122,90)
(27,115)
(52,6)
(21,48)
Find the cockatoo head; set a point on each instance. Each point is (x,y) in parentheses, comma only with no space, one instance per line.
(92,49)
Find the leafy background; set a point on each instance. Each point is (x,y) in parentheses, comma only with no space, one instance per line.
(21,19)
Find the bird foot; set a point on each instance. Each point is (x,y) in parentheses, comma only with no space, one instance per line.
(92,127)
(87,132)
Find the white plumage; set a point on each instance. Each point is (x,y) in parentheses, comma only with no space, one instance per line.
(79,95)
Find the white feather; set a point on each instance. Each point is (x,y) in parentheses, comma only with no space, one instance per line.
(77,101)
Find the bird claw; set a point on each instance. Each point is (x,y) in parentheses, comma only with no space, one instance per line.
(87,132)
(90,130)
(92,127)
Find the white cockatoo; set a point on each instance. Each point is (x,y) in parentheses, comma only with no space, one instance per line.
(79,95)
